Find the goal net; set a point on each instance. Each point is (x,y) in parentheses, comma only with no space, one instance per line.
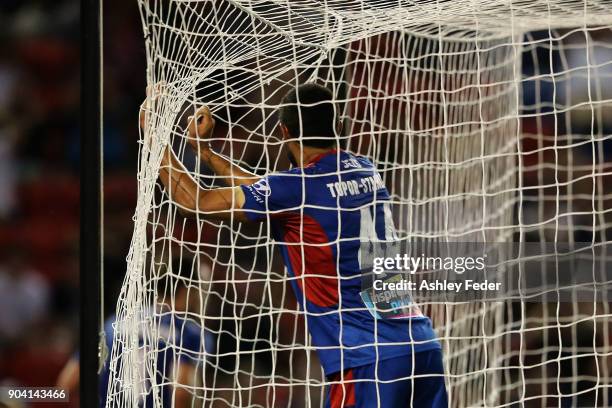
(489,122)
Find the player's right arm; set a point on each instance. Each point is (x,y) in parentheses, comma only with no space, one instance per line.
(199,130)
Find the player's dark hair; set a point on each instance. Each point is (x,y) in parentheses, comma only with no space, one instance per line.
(309,114)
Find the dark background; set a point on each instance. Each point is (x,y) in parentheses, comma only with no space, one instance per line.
(39,176)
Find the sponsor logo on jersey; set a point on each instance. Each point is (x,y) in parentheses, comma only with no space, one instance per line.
(262,188)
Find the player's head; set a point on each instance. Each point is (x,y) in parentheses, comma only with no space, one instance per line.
(307,113)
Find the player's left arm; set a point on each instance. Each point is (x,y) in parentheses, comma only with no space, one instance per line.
(223,203)
(220,203)
(276,193)
(199,132)
(226,203)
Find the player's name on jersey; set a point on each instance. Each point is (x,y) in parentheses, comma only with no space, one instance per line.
(355,187)
(441,285)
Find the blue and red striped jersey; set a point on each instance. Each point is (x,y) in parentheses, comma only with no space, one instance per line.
(320,215)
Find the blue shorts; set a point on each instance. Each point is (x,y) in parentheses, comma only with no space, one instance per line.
(397,386)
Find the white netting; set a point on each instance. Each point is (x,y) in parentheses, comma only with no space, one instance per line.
(488,121)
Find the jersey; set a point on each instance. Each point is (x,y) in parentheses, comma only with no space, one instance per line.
(178,339)
(319,215)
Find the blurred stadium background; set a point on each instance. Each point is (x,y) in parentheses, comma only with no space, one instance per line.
(39,181)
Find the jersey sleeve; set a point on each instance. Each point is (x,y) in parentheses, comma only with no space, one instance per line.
(274,194)
(190,343)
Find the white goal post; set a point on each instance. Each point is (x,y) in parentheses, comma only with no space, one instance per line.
(489,121)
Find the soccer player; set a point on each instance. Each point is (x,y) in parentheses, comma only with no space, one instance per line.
(179,344)
(320,212)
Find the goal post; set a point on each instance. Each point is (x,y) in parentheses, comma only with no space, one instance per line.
(488,121)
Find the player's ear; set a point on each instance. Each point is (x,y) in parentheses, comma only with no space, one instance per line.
(284,131)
